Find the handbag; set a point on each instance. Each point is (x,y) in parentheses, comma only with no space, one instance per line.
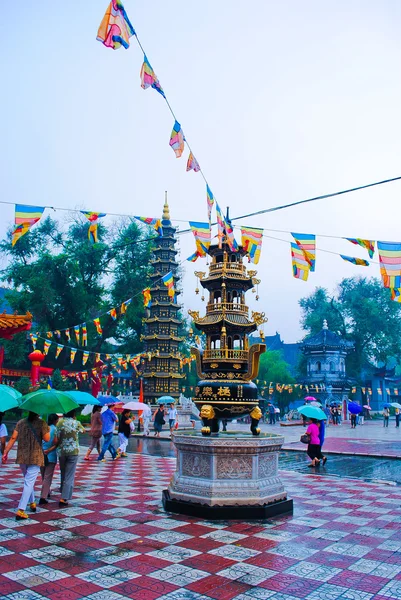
(305,438)
(46,459)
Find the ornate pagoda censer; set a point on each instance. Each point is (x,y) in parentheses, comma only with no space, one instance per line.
(231,475)
(227,365)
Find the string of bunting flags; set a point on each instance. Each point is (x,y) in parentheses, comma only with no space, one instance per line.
(115,31)
(273,387)
(303,248)
(80,330)
(117,360)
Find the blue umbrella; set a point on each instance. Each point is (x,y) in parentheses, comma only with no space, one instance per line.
(386,405)
(105,400)
(312,412)
(83,398)
(354,408)
(166,400)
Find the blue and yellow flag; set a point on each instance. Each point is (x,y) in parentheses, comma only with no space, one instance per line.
(168,281)
(355,261)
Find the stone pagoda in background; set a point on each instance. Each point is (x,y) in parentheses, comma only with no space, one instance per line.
(326,354)
(162,373)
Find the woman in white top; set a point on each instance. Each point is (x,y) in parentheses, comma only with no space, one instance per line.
(3,434)
(172,417)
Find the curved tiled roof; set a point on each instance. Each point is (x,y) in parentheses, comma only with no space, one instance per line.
(327,338)
(232,318)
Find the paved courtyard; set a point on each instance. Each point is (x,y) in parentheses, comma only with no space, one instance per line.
(115,542)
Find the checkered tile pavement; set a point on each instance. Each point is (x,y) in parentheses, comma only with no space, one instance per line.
(115,542)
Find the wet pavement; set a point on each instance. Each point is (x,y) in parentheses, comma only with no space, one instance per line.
(115,542)
(358,467)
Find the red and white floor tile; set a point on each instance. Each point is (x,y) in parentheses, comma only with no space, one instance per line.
(115,542)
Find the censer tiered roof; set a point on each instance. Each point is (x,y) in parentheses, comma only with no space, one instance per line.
(227,323)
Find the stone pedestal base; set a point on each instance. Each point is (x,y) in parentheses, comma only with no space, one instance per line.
(184,417)
(230,476)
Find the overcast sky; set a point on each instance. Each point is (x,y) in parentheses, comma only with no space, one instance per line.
(280,101)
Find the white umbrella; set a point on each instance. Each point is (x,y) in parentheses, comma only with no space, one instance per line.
(87,410)
(395,404)
(137,406)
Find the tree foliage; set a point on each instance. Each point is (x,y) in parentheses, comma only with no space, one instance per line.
(272,367)
(362,311)
(63,279)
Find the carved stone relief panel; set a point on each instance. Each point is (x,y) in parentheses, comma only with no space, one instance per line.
(267,466)
(196,465)
(237,467)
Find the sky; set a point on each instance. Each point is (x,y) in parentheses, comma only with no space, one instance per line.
(280,101)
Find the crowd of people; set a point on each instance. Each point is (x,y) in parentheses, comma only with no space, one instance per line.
(41,444)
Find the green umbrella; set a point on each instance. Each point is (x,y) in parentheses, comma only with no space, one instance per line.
(9,398)
(312,412)
(48,401)
(83,398)
(7,388)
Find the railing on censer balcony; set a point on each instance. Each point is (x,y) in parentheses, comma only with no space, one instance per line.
(225,353)
(227,306)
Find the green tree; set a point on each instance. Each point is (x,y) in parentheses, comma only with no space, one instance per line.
(16,350)
(23,385)
(317,307)
(64,280)
(273,368)
(362,311)
(60,383)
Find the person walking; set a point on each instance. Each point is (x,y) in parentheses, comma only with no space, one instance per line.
(95,431)
(158,420)
(147,414)
(386,416)
(353,421)
(124,432)
(327,412)
(397,417)
(272,414)
(3,434)
(172,417)
(336,415)
(30,432)
(314,449)
(50,452)
(68,429)
(109,419)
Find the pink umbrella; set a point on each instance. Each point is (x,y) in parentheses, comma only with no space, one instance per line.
(367,407)
(310,399)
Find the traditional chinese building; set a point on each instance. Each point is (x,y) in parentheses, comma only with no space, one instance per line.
(12,324)
(162,373)
(228,363)
(9,326)
(326,354)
